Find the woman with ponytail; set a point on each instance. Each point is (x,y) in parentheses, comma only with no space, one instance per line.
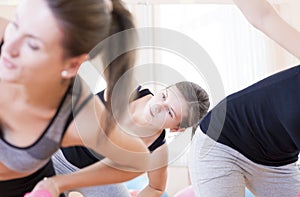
(46,106)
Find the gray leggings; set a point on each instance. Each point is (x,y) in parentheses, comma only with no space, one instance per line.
(218,170)
(62,166)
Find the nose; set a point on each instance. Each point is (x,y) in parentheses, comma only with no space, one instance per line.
(12,46)
(160,107)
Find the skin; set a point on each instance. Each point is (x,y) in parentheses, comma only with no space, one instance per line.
(263,16)
(3,24)
(164,110)
(30,48)
(150,115)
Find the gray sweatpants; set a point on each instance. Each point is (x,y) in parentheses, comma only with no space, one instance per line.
(62,166)
(217,170)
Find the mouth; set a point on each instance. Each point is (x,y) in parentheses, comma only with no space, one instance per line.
(7,63)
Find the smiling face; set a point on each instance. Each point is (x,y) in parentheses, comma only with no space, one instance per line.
(32,51)
(166,109)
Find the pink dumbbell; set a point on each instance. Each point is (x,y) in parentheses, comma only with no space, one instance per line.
(39,193)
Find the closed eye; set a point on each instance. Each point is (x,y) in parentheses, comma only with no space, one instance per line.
(170,113)
(163,96)
(32,44)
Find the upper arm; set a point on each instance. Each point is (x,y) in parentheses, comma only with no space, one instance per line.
(282,33)
(126,152)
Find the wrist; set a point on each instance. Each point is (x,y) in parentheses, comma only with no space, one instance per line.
(155,191)
(54,182)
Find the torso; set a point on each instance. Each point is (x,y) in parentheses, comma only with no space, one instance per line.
(20,125)
(262,121)
(29,133)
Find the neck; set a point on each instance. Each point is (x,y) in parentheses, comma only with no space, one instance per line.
(150,139)
(137,123)
(136,110)
(43,95)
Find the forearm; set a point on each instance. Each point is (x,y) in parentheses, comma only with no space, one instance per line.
(157,183)
(96,174)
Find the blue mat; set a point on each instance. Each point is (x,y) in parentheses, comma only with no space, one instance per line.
(248,193)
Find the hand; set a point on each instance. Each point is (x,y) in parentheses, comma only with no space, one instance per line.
(133,193)
(39,193)
(45,188)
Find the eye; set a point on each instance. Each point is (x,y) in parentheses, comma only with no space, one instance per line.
(163,96)
(32,44)
(170,113)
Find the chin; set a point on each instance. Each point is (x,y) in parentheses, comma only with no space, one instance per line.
(7,77)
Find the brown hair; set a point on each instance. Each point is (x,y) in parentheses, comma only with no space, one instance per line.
(197,102)
(85,23)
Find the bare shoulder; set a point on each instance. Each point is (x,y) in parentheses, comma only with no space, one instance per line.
(127,141)
(85,128)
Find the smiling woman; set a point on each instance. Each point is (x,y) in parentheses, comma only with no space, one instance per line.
(43,48)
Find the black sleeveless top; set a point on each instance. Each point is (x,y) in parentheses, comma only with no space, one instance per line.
(81,156)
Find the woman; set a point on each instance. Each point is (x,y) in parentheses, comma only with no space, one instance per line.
(177,107)
(251,139)
(42,49)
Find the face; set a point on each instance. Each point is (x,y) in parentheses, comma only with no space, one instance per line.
(166,109)
(32,51)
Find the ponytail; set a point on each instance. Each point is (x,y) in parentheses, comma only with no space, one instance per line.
(85,24)
(114,73)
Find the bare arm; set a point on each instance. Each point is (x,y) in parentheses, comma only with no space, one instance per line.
(157,174)
(128,152)
(263,16)
(157,183)
(128,155)
(93,175)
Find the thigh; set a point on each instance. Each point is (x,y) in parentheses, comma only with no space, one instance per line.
(275,181)
(213,169)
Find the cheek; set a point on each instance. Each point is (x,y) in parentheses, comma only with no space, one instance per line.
(163,119)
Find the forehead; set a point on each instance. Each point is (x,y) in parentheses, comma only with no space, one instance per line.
(35,18)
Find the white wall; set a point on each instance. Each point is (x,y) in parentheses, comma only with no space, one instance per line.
(278,57)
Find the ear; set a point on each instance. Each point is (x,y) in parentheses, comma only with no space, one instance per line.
(177,129)
(73,65)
